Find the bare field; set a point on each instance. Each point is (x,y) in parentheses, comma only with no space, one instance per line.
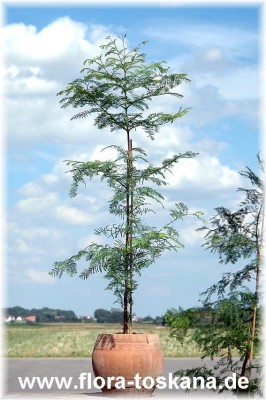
(77,340)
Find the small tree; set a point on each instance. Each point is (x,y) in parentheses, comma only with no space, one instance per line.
(234,324)
(117,87)
(101,315)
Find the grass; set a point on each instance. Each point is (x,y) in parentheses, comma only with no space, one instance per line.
(77,340)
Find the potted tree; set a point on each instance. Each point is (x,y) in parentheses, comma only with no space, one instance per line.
(117,87)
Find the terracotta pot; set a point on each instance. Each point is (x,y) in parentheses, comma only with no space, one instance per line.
(126,355)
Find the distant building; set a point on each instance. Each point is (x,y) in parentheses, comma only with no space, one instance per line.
(59,317)
(86,318)
(9,318)
(30,318)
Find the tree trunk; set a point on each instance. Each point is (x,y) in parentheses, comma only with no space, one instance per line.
(130,240)
(125,312)
(244,365)
(254,317)
(259,236)
(128,300)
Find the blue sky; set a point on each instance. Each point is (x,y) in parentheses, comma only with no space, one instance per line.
(219,49)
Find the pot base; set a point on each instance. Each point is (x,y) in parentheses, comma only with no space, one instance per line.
(128,392)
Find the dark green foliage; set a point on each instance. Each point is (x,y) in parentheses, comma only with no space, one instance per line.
(102,316)
(116,316)
(17,311)
(181,321)
(229,327)
(236,235)
(233,309)
(220,329)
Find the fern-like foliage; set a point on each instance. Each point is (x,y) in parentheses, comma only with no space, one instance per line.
(231,316)
(148,242)
(118,85)
(116,88)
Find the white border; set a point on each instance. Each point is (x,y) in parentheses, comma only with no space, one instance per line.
(160,3)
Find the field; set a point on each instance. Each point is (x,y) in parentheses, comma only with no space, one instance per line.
(77,340)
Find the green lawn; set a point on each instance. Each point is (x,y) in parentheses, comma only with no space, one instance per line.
(77,340)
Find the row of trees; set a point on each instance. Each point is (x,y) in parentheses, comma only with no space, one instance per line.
(101,315)
(44,314)
(104,316)
(194,317)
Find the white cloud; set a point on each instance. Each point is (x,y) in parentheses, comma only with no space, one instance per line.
(208,104)
(86,240)
(214,54)
(203,173)
(176,139)
(46,225)
(35,205)
(34,62)
(103,155)
(49,178)
(39,276)
(72,215)
(189,236)
(45,187)
(31,85)
(31,234)
(235,41)
(52,42)
(37,65)
(172,137)
(34,69)
(22,246)
(12,71)
(238,83)
(32,189)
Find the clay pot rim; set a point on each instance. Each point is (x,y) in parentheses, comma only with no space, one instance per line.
(128,334)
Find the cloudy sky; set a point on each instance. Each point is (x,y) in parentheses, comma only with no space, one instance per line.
(45,46)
